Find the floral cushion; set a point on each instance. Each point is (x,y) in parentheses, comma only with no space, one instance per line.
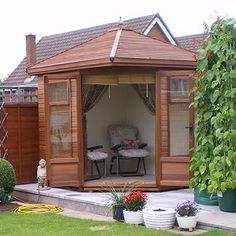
(96,156)
(130,144)
(134,153)
(118,133)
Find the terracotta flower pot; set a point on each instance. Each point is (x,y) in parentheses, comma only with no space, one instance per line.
(133,217)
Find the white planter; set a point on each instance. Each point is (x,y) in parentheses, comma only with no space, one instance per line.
(133,217)
(187,222)
(159,218)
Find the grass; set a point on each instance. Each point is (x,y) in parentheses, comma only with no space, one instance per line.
(51,224)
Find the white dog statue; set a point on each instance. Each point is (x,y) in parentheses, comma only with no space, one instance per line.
(42,174)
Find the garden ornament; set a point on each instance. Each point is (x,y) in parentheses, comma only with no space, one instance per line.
(42,174)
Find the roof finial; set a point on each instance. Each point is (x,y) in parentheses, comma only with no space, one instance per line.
(120,23)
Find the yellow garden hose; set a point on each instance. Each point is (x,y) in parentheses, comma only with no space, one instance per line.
(37,209)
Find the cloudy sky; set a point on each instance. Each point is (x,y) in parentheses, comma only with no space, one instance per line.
(45,17)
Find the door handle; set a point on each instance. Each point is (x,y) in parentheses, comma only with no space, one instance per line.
(190,127)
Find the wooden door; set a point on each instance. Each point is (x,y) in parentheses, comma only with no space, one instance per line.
(64,147)
(174,127)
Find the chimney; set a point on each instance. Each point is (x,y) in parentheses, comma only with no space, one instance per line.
(30,50)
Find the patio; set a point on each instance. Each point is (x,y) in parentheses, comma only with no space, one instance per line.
(97,203)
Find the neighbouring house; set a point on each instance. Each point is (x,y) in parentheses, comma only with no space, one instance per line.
(72,86)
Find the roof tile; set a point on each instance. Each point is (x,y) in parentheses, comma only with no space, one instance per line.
(131,47)
(57,43)
(191,42)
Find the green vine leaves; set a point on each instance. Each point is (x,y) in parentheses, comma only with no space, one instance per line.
(214,156)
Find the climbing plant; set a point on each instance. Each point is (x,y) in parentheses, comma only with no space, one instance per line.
(214,156)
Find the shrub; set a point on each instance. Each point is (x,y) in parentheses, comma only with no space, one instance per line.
(7,180)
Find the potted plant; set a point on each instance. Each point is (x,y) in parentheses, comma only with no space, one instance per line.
(213,164)
(134,203)
(204,197)
(117,203)
(117,196)
(186,214)
(159,218)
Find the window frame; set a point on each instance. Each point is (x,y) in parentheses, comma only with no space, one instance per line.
(66,103)
(178,99)
(59,103)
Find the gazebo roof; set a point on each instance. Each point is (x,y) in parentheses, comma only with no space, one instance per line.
(117,47)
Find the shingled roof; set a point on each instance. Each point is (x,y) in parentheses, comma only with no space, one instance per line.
(191,42)
(51,45)
(54,44)
(119,46)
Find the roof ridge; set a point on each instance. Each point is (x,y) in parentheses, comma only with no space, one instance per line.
(97,26)
(115,43)
(191,35)
(153,17)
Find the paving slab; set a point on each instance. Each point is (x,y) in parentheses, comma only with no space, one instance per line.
(98,203)
(85,215)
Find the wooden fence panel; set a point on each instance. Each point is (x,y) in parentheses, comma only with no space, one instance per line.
(23,140)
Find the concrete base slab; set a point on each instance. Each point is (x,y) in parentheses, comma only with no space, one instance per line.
(97,203)
(80,201)
(85,215)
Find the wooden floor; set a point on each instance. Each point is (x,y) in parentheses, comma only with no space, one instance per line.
(147,180)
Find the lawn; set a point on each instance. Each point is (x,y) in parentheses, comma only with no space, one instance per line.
(51,224)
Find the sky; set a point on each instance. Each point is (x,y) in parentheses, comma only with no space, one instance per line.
(45,17)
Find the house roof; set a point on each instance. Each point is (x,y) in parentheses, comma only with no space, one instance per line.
(119,46)
(54,44)
(191,42)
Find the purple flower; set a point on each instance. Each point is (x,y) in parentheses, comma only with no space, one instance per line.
(187,208)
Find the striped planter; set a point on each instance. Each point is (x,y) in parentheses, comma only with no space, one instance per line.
(159,218)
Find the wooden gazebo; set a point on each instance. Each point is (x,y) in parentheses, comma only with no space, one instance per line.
(118,58)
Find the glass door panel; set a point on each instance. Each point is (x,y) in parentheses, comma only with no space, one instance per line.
(179,134)
(60,131)
(178,116)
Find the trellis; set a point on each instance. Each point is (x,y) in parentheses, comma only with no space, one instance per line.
(3,131)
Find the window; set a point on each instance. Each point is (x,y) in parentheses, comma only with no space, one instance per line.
(58,92)
(59,119)
(178,117)
(178,134)
(179,90)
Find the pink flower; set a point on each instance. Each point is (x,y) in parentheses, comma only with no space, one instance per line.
(135,200)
